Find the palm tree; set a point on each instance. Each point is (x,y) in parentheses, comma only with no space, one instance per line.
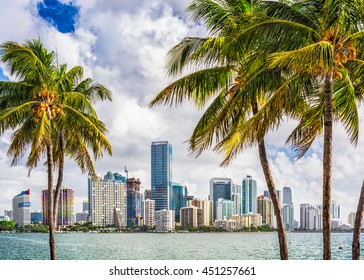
(236,100)
(358,225)
(39,107)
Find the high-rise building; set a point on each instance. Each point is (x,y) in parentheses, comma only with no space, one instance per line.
(191,217)
(219,188)
(227,224)
(287,196)
(236,193)
(288,216)
(9,214)
(164,220)
(161,174)
(207,212)
(147,194)
(65,207)
(85,206)
(178,198)
(279,195)
(148,212)
(133,201)
(265,209)
(107,201)
(351,219)
(249,195)
(21,208)
(224,209)
(194,202)
(335,210)
(36,217)
(310,217)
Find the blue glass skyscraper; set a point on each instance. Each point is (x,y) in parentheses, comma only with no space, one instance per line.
(161,171)
(219,188)
(178,198)
(249,195)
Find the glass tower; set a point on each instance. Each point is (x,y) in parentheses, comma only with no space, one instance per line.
(161,173)
(249,195)
(219,188)
(178,198)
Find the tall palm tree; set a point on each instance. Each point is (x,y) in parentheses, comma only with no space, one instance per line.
(38,105)
(235,78)
(358,225)
(323,39)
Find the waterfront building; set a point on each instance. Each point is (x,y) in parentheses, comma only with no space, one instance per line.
(310,217)
(351,219)
(279,195)
(224,209)
(147,194)
(10,214)
(219,188)
(65,207)
(191,217)
(288,216)
(287,196)
(36,217)
(85,206)
(107,201)
(161,174)
(207,212)
(336,224)
(249,195)
(265,209)
(133,201)
(21,208)
(178,198)
(81,218)
(148,212)
(335,210)
(247,220)
(236,197)
(164,220)
(227,224)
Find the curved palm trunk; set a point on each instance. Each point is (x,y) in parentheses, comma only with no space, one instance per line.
(327,169)
(52,243)
(357,226)
(59,181)
(273,193)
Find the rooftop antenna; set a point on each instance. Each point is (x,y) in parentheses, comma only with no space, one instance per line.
(127,172)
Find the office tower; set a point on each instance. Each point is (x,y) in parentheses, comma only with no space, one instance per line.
(236,194)
(178,198)
(164,220)
(147,194)
(65,207)
(335,210)
(36,217)
(21,208)
(9,214)
(287,195)
(81,218)
(161,174)
(303,215)
(85,206)
(191,217)
(265,209)
(224,209)
(133,201)
(107,202)
(288,216)
(148,212)
(219,188)
(207,212)
(249,195)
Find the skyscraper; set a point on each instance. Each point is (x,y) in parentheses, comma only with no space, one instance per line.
(107,202)
(207,208)
(335,210)
(288,216)
(65,207)
(21,208)
(161,174)
(249,195)
(287,196)
(219,188)
(133,201)
(265,209)
(148,212)
(224,209)
(178,198)
(236,192)
(85,206)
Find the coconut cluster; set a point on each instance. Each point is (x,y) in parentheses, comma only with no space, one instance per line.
(46,104)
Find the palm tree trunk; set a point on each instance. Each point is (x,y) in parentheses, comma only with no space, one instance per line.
(59,180)
(327,169)
(357,226)
(273,193)
(52,243)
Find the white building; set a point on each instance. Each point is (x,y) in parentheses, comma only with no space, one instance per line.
(21,208)
(247,220)
(165,220)
(107,202)
(288,216)
(227,224)
(148,212)
(207,212)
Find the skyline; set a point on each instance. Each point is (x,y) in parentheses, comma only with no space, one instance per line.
(123,46)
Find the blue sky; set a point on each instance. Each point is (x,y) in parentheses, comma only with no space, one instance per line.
(123,44)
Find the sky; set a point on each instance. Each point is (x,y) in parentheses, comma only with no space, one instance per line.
(123,44)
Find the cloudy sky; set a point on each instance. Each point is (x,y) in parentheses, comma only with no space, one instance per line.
(122,44)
